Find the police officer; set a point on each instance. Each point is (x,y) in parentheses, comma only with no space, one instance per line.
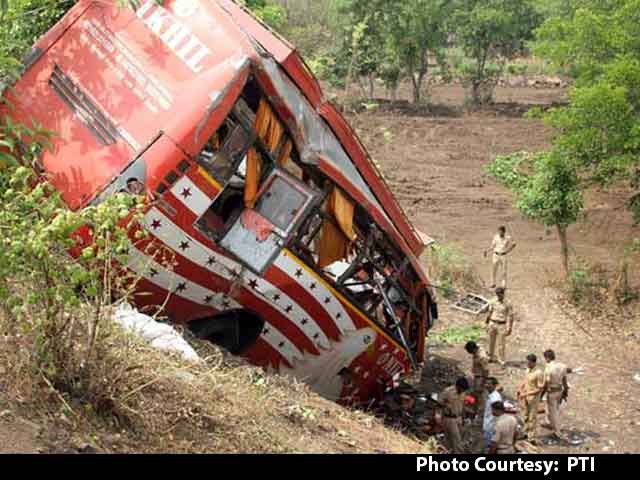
(499,325)
(529,394)
(480,371)
(452,404)
(556,389)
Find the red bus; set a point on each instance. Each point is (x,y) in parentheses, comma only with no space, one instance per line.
(290,249)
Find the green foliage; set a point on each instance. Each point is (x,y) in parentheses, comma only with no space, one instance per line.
(458,335)
(547,186)
(598,43)
(490,32)
(389,40)
(273,15)
(25,20)
(547,189)
(588,35)
(417,30)
(449,268)
(517,68)
(586,285)
(42,287)
(359,48)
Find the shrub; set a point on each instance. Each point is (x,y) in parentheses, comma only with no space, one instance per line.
(449,269)
(586,284)
(517,68)
(47,295)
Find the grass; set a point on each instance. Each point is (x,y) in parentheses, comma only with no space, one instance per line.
(450,269)
(156,402)
(458,335)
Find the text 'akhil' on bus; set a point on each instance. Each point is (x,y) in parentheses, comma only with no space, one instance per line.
(290,249)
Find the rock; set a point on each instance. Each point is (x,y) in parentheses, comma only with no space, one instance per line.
(112,439)
(636,377)
(83,447)
(555,81)
(5,414)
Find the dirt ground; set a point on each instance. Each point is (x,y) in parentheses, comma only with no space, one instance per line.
(433,159)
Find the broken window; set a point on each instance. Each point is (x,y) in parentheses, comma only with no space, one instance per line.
(225,150)
(282,203)
(364,266)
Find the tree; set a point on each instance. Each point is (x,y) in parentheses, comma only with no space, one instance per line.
(490,32)
(360,49)
(416,32)
(599,45)
(547,189)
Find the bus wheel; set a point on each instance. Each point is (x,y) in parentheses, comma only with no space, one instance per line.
(234,330)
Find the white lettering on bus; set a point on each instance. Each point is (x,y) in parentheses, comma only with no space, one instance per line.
(174,34)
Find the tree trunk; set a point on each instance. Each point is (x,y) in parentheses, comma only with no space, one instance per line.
(422,73)
(564,248)
(372,85)
(416,90)
(475,93)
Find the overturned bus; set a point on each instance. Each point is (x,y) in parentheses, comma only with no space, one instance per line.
(289,248)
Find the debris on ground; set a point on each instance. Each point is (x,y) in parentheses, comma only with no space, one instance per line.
(471,303)
(159,335)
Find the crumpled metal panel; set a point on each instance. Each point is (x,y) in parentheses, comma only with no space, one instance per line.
(314,139)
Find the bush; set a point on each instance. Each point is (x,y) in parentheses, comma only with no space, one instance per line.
(586,284)
(58,302)
(449,269)
(517,68)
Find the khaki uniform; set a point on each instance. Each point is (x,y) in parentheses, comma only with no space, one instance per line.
(554,375)
(453,403)
(530,392)
(499,247)
(480,370)
(500,317)
(505,433)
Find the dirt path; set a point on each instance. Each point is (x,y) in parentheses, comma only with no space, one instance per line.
(18,435)
(435,165)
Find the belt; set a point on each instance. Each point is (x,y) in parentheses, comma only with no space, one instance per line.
(450,416)
(499,254)
(499,323)
(554,389)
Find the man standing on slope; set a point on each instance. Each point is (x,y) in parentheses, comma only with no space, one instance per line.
(501,245)
(452,403)
(556,388)
(529,394)
(499,326)
(480,371)
(489,421)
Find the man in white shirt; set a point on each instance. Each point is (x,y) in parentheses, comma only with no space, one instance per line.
(501,245)
(488,423)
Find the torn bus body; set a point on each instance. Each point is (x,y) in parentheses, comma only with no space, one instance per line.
(289,249)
